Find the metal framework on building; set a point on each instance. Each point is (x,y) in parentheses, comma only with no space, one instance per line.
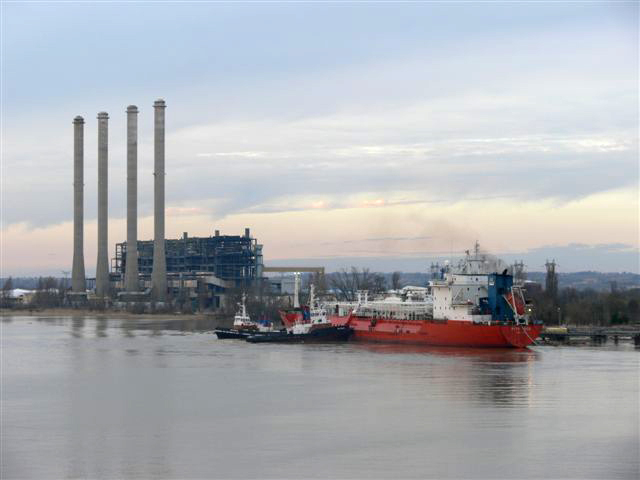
(233,258)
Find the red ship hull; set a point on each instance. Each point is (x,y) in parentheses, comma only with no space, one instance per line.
(443,333)
(449,333)
(290,317)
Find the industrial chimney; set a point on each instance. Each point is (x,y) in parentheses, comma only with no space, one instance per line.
(102,267)
(159,274)
(131,273)
(78,284)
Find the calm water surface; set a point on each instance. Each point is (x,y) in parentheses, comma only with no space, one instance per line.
(86,397)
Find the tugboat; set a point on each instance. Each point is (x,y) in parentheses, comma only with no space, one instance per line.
(243,326)
(318,329)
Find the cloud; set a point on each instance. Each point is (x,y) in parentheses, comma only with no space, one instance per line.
(570,258)
(517,135)
(566,125)
(378,202)
(179,211)
(231,154)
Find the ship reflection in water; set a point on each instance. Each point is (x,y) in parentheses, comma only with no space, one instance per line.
(120,398)
(497,376)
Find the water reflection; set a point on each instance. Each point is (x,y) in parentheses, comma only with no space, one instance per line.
(503,385)
(495,355)
(128,328)
(77,325)
(101,327)
(60,321)
(487,377)
(157,326)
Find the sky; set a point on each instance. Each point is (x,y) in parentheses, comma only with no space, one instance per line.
(384,132)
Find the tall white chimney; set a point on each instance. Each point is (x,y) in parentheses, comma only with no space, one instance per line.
(159,273)
(131,283)
(102,266)
(78,284)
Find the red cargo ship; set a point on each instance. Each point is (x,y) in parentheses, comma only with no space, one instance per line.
(467,308)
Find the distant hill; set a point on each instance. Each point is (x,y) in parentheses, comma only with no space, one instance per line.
(598,281)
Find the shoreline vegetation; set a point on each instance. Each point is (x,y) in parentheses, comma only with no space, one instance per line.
(553,306)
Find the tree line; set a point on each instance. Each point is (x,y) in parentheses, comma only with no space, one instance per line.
(49,292)
(588,307)
(569,306)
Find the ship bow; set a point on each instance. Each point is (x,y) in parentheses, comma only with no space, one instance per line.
(520,336)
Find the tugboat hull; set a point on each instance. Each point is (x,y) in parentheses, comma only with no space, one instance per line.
(225,333)
(328,334)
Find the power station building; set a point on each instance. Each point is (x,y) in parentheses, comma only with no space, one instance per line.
(200,269)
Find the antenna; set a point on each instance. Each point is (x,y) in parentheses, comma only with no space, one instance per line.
(551,281)
(66,277)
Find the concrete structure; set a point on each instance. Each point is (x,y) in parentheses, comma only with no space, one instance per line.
(131,283)
(77,276)
(285,285)
(102,266)
(318,270)
(159,275)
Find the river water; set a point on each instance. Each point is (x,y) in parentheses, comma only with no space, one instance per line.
(87,397)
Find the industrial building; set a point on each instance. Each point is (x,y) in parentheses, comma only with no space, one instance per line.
(203,269)
(200,271)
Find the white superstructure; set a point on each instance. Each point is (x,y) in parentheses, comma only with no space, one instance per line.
(457,296)
(242,319)
(317,316)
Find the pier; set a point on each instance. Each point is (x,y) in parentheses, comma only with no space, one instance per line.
(598,335)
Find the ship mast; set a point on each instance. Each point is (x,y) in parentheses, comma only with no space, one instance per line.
(296,290)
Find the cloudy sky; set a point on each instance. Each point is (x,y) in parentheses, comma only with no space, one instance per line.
(333,130)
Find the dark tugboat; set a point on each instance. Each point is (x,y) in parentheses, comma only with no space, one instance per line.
(243,326)
(317,329)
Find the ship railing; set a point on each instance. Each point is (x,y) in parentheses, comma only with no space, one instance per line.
(463,301)
(396,308)
(396,312)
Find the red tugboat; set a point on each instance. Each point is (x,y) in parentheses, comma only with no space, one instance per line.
(337,313)
(317,328)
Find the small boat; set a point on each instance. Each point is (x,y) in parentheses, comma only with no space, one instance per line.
(318,329)
(243,326)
